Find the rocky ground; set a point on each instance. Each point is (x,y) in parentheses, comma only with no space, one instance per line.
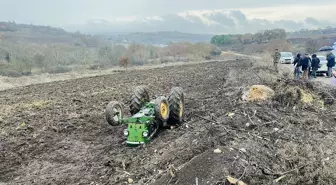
(56,133)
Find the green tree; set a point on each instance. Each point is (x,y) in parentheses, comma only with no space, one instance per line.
(220,40)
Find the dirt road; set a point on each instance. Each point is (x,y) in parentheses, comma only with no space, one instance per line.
(55,133)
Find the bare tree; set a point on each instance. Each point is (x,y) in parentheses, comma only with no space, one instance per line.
(40,61)
(311,46)
(258,37)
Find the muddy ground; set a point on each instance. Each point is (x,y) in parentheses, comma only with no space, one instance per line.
(55,133)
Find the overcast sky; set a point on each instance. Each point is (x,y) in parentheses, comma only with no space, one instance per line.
(62,13)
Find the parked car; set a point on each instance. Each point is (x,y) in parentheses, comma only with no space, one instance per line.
(324,53)
(286,58)
(323,65)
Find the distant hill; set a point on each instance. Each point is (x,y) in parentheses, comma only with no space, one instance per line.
(13,32)
(303,33)
(33,33)
(325,36)
(27,33)
(158,38)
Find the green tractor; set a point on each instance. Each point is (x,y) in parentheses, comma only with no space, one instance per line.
(147,116)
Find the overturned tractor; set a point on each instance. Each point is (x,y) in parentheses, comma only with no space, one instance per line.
(147,116)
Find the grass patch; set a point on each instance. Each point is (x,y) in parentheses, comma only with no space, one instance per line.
(36,104)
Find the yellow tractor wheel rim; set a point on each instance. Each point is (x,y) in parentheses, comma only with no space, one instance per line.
(181,110)
(164,110)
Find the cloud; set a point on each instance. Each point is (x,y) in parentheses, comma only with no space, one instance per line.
(216,22)
(63,12)
(239,15)
(222,19)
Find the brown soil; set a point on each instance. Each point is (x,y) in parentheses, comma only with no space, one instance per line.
(55,133)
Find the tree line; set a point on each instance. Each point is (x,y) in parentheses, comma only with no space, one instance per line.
(249,38)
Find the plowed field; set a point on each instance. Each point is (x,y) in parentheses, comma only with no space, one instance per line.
(56,133)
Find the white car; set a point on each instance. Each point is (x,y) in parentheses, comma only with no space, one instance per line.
(323,65)
(323,69)
(286,58)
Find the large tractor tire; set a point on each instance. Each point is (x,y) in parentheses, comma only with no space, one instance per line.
(114,113)
(176,105)
(161,109)
(139,97)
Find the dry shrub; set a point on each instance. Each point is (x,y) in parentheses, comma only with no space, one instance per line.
(58,69)
(10,73)
(124,61)
(262,72)
(138,62)
(317,162)
(182,59)
(167,59)
(292,92)
(227,54)
(154,61)
(282,45)
(96,66)
(265,59)
(188,51)
(255,48)
(289,96)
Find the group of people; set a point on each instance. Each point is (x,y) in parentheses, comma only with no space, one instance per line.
(305,63)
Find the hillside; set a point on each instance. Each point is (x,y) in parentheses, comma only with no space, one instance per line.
(308,33)
(31,49)
(12,32)
(26,33)
(303,40)
(158,38)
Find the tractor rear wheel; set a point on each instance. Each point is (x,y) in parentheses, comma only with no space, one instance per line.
(176,105)
(114,113)
(161,109)
(139,97)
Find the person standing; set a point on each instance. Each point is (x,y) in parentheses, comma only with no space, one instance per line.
(297,66)
(315,64)
(276,58)
(305,66)
(330,64)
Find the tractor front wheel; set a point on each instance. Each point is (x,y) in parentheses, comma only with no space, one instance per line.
(176,105)
(161,109)
(114,113)
(139,97)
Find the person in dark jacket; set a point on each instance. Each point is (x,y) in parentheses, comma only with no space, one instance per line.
(330,64)
(315,64)
(305,66)
(297,69)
